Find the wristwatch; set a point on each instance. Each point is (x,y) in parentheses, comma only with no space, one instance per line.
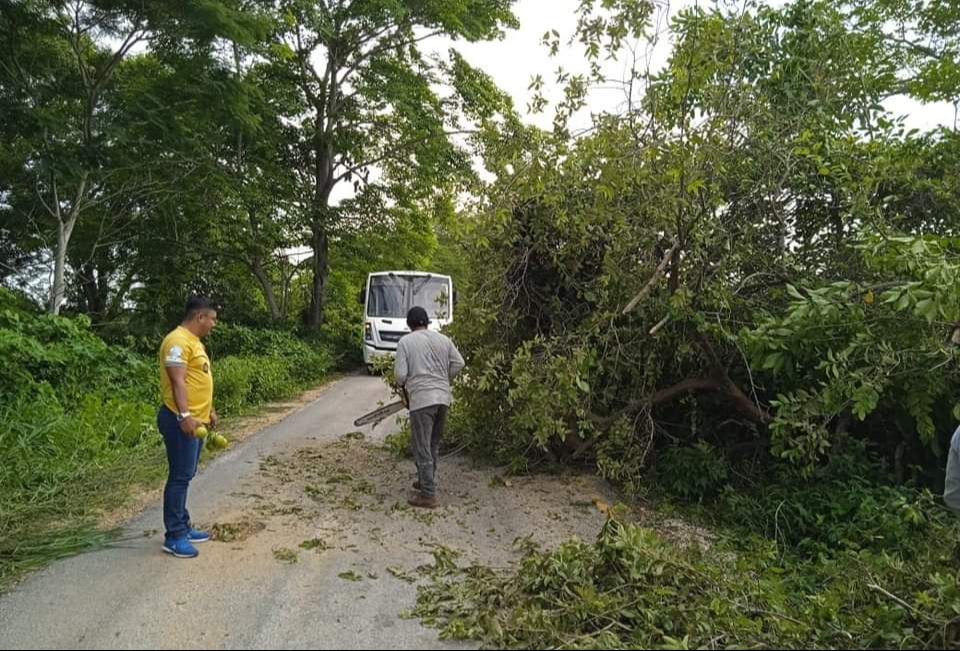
(183,416)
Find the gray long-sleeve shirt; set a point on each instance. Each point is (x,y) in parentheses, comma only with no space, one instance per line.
(426,364)
(951,493)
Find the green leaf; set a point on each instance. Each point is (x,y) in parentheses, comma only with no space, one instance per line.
(927,308)
(773,361)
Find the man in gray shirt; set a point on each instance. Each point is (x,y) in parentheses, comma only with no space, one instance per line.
(425,366)
(951,493)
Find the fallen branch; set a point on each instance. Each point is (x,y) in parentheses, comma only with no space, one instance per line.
(668,256)
(719,382)
(659,397)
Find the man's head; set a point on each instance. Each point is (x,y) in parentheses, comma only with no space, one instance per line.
(417,318)
(200,316)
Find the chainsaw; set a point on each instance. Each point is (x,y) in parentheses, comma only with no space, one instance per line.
(385,411)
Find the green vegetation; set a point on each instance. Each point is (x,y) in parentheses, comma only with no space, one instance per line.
(78,422)
(736,296)
(633,589)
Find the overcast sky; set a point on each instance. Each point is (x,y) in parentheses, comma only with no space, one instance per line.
(512,61)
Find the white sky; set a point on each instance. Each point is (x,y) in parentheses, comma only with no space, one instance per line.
(514,60)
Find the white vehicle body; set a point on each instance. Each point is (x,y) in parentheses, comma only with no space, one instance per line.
(389,295)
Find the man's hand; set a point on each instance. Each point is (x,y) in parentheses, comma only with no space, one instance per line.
(214,419)
(189,426)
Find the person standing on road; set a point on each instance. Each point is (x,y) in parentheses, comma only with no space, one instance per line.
(426,364)
(186,381)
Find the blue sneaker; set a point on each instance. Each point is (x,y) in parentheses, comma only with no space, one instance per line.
(196,536)
(180,548)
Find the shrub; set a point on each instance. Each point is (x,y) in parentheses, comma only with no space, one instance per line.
(693,472)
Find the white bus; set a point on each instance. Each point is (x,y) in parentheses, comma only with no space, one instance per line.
(386,299)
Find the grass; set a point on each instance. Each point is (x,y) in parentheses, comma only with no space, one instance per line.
(37,530)
(68,516)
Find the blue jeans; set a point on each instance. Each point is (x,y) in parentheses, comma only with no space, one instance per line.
(183,454)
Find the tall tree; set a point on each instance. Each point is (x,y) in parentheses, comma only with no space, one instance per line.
(59,64)
(372,115)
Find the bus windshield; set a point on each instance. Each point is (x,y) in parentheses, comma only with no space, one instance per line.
(391,296)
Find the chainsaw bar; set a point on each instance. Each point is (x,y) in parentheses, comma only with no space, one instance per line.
(378,415)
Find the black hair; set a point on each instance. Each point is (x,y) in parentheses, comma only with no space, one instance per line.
(417,318)
(196,304)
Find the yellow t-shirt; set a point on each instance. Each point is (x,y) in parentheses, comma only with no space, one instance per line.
(182,348)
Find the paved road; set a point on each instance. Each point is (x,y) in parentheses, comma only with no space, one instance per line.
(309,477)
(133,596)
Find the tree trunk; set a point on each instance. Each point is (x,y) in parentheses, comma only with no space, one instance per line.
(320,240)
(115,305)
(64,233)
(266,286)
(93,284)
(321,268)
(58,289)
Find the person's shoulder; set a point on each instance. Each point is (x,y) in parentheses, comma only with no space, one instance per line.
(179,339)
(176,349)
(437,335)
(170,337)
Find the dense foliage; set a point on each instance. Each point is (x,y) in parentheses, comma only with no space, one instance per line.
(78,419)
(757,257)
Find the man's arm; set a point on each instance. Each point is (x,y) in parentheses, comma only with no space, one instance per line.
(401,370)
(178,379)
(951,493)
(456,361)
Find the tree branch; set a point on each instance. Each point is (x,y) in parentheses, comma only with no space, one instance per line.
(658,272)
(396,150)
(386,45)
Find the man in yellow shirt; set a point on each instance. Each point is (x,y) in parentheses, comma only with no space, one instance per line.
(186,380)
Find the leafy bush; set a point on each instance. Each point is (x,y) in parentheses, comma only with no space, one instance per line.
(61,464)
(343,318)
(230,339)
(78,420)
(242,382)
(233,377)
(633,589)
(63,353)
(848,505)
(400,442)
(44,445)
(284,363)
(272,379)
(693,472)
(311,365)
